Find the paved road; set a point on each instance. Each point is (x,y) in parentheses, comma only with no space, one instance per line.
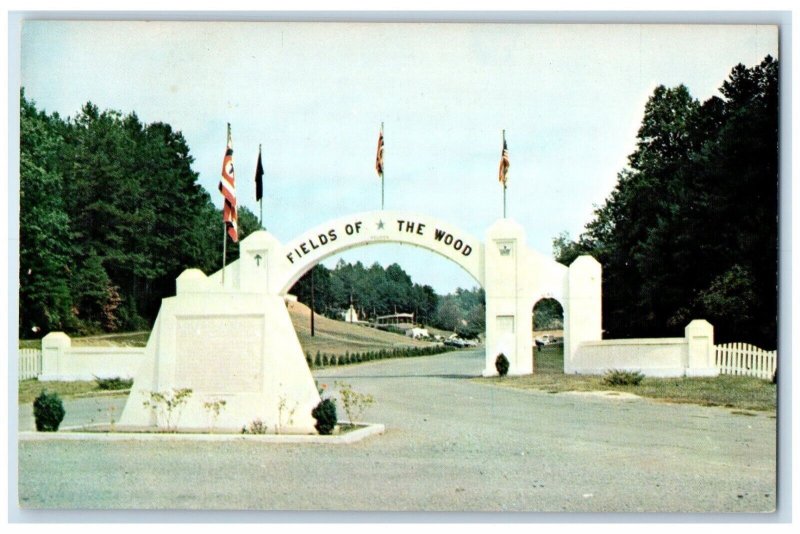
(451,444)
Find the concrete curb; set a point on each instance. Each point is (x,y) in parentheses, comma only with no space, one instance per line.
(74,434)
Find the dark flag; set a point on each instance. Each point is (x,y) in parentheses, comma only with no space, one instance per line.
(259,174)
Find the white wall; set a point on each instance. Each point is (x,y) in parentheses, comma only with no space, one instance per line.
(653,357)
(61,361)
(691,355)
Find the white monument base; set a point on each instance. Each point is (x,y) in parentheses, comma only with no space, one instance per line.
(234,347)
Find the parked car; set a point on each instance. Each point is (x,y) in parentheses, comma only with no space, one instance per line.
(547,339)
(454,342)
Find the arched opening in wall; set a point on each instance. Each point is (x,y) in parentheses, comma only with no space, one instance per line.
(547,329)
(387,298)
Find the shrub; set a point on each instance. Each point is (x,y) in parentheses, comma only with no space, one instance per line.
(617,377)
(167,406)
(309,361)
(48,411)
(501,364)
(257,426)
(354,403)
(325,414)
(214,407)
(318,360)
(114,383)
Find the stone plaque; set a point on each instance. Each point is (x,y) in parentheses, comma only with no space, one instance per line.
(505,324)
(221,354)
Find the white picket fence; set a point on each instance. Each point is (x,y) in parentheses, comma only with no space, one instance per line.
(745,359)
(30,363)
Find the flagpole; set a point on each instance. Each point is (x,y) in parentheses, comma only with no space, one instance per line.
(312,302)
(383,166)
(224,222)
(504,182)
(224,248)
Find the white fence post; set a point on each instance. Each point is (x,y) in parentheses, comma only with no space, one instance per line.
(746,360)
(700,358)
(54,345)
(30,364)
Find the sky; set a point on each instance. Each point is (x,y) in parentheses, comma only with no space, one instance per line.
(314,95)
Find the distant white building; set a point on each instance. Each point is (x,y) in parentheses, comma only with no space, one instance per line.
(351,315)
(417,333)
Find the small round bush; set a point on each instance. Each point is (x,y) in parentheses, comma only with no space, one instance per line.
(48,411)
(325,414)
(501,364)
(617,377)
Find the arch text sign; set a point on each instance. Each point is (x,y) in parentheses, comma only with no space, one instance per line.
(306,250)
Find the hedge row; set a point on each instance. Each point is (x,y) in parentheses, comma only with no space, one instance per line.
(323,359)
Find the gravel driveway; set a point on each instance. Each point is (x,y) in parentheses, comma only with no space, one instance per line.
(451,444)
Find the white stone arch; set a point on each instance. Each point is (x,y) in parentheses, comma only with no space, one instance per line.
(238,314)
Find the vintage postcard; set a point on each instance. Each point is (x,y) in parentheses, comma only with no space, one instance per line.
(397,267)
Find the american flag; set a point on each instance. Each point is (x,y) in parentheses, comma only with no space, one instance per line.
(228,189)
(504,164)
(379,155)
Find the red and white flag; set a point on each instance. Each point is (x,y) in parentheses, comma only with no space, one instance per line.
(504,164)
(379,155)
(227,186)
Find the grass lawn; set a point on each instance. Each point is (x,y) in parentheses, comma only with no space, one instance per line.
(738,392)
(338,337)
(125,339)
(30,389)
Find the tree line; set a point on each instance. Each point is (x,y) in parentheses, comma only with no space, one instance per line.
(376,291)
(110,214)
(373,291)
(691,228)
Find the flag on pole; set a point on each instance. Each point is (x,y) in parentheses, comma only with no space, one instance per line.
(259,174)
(504,164)
(379,155)
(228,190)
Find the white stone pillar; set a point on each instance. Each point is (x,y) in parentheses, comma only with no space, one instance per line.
(258,261)
(583,312)
(700,353)
(54,348)
(192,281)
(508,317)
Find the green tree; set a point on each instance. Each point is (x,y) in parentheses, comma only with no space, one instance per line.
(696,209)
(111,212)
(45,242)
(548,314)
